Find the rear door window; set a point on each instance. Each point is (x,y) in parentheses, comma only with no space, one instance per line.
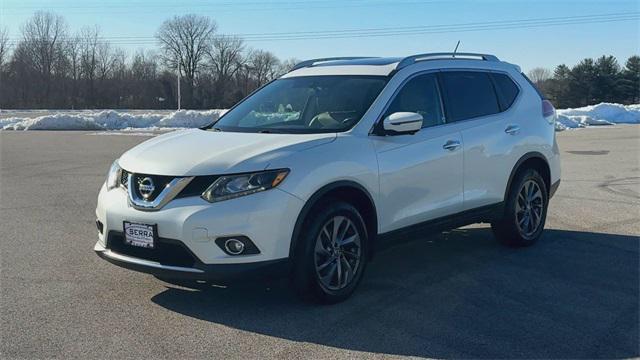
(468,94)
(506,89)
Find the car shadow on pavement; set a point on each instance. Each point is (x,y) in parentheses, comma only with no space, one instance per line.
(457,294)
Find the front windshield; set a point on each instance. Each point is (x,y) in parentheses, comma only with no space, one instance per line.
(309,104)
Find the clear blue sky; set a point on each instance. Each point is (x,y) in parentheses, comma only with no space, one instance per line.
(529,47)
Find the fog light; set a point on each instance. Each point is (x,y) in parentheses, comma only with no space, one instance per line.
(234,246)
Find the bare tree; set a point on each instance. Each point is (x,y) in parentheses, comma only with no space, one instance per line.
(539,75)
(43,36)
(4,55)
(226,58)
(73,51)
(144,66)
(4,46)
(106,59)
(89,62)
(143,81)
(119,63)
(184,41)
(287,65)
(117,85)
(263,66)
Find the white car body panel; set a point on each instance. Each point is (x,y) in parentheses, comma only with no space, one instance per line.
(418,188)
(199,152)
(491,154)
(410,178)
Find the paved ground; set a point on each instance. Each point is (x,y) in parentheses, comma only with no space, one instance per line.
(573,295)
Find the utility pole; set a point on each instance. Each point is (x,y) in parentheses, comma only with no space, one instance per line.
(179,85)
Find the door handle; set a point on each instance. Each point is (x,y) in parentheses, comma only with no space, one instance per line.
(512,129)
(451,145)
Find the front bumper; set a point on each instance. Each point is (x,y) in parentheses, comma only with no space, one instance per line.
(192,225)
(200,271)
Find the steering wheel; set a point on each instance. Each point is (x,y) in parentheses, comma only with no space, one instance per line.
(324,120)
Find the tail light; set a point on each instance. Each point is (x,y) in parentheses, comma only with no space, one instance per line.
(548,111)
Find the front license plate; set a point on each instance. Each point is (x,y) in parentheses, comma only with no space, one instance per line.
(141,235)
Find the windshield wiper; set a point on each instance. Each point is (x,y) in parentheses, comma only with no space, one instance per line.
(216,129)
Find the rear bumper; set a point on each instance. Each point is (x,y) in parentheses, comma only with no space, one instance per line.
(199,271)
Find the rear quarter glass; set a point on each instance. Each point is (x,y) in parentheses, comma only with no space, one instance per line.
(506,90)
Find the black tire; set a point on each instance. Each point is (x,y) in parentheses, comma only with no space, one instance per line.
(513,229)
(306,277)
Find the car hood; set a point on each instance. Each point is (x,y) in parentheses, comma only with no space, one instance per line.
(200,152)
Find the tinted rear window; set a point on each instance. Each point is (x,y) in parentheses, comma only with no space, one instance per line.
(506,89)
(469,94)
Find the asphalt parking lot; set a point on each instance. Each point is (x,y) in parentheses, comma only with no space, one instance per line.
(459,294)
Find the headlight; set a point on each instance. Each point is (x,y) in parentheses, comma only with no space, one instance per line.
(113,177)
(233,186)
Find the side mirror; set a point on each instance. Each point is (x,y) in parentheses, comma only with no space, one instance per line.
(402,123)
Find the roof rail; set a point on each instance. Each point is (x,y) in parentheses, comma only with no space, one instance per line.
(435,56)
(309,63)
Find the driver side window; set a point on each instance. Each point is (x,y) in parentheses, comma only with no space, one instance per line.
(420,95)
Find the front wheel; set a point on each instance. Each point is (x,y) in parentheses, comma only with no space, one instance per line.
(331,257)
(525,210)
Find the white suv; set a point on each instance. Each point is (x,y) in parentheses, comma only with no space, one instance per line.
(309,174)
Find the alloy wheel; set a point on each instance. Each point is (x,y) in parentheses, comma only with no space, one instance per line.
(529,208)
(337,253)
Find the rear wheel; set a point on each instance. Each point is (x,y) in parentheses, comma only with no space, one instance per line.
(331,257)
(525,210)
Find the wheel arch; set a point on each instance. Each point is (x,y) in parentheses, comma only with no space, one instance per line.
(349,191)
(533,160)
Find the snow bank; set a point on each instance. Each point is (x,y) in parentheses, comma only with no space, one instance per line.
(112,120)
(601,114)
(137,120)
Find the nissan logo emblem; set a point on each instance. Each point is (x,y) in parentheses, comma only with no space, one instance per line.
(146,187)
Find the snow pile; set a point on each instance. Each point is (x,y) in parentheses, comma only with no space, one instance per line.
(601,114)
(564,123)
(113,120)
(159,120)
(189,118)
(52,122)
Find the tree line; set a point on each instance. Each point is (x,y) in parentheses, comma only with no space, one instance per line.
(591,81)
(50,67)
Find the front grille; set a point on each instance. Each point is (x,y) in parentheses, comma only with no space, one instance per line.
(195,188)
(166,252)
(159,183)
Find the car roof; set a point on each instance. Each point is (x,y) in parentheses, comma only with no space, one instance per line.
(359,61)
(345,66)
(384,66)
